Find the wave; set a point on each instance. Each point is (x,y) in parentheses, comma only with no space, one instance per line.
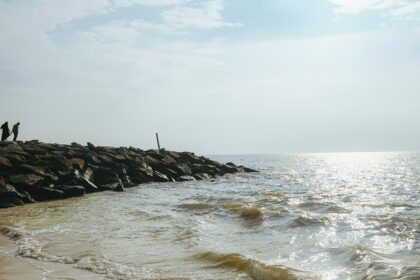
(196,206)
(245,211)
(402,205)
(271,196)
(313,205)
(111,269)
(336,209)
(254,269)
(364,263)
(306,221)
(30,247)
(12,233)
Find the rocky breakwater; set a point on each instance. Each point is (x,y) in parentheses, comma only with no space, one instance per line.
(33,171)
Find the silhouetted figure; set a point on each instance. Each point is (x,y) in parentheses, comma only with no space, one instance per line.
(6,131)
(15,131)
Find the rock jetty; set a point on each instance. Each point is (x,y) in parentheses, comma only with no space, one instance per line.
(33,171)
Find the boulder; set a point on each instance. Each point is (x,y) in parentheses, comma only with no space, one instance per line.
(34,149)
(92,159)
(185,178)
(10,197)
(13,148)
(89,186)
(75,144)
(127,181)
(105,159)
(6,202)
(55,162)
(155,154)
(119,188)
(71,191)
(46,193)
(172,173)
(107,187)
(162,167)
(140,175)
(229,169)
(117,157)
(202,176)
(27,198)
(16,160)
(7,190)
(189,158)
(26,179)
(91,146)
(159,177)
(5,164)
(202,168)
(77,163)
(103,175)
(38,171)
(248,170)
(182,169)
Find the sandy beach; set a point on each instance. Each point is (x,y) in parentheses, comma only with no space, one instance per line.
(17,268)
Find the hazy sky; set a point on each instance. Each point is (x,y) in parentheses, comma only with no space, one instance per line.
(214,76)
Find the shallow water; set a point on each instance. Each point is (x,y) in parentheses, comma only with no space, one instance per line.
(306,216)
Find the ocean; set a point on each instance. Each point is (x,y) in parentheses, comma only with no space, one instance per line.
(303,216)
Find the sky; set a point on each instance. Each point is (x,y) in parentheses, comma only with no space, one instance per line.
(214,76)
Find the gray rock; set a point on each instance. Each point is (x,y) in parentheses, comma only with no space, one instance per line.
(38,170)
(46,193)
(103,175)
(159,177)
(186,178)
(13,148)
(5,164)
(26,179)
(91,146)
(202,176)
(71,191)
(16,160)
(89,186)
(77,163)
(119,188)
(7,190)
(6,202)
(202,168)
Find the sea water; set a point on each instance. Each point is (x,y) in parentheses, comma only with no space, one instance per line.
(303,216)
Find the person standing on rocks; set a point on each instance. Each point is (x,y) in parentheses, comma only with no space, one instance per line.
(15,131)
(5,131)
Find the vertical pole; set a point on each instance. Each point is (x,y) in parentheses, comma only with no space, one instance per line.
(157,139)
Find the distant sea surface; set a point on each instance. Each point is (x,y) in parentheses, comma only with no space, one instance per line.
(304,216)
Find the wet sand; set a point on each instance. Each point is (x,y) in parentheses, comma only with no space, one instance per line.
(13,267)
(16,268)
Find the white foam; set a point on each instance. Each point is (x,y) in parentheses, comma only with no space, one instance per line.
(111,269)
(30,247)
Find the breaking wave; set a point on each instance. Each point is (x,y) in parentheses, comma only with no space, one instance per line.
(30,247)
(254,269)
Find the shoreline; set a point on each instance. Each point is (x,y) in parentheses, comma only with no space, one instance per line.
(13,267)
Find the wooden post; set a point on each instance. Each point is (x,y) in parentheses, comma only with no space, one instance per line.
(157,139)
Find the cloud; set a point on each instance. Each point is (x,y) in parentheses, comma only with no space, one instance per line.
(357,6)
(202,15)
(408,10)
(392,8)
(151,3)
